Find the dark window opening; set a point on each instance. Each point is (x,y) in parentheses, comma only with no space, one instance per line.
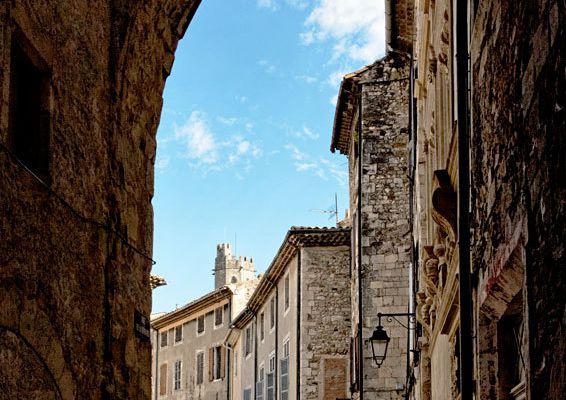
(29,116)
(511,345)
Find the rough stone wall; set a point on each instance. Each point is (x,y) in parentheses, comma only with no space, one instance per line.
(325,322)
(385,231)
(73,269)
(518,168)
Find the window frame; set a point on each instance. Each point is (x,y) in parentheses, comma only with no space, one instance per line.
(162,335)
(287,293)
(272,315)
(262,326)
(176,339)
(178,375)
(218,311)
(198,319)
(199,376)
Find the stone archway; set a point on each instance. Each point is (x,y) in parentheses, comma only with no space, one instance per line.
(75,254)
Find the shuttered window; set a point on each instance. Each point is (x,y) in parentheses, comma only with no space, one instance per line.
(262,326)
(272,313)
(248,341)
(217,362)
(200,368)
(270,386)
(286,292)
(284,378)
(178,333)
(163,380)
(218,314)
(164,339)
(200,324)
(177,376)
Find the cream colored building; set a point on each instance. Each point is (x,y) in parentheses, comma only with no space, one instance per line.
(188,352)
(292,339)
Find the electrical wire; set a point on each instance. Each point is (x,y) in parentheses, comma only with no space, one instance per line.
(80,216)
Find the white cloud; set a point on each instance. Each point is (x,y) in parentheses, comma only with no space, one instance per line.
(241,149)
(198,139)
(162,162)
(298,4)
(356,28)
(273,5)
(306,133)
(268,4)
(242,99)
(333,100)
(267,66)
(308,79)
(296,154)
(211,152)
(229,121)
(322,168)
(336,77)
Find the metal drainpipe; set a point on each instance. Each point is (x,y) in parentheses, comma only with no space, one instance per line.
(414,249)
(276,371)
(157,346)
(229,353)
(466,354)
(255,356)
(298,386)
(228,364)
(359,234)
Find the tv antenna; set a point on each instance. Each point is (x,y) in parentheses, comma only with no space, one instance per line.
(332,211)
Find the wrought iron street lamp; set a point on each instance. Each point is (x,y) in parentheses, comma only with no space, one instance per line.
(380,340)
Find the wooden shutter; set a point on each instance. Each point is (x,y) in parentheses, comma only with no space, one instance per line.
(163,379)
(210,363)
(222,362)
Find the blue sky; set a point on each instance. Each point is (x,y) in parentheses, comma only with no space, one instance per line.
(243,143)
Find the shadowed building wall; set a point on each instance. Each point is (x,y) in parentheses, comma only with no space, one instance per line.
(80,100)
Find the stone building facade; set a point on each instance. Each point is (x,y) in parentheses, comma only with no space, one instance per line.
(188,352)
(80,99)
(515,107)
(434,173)
(292,339)
(372,104)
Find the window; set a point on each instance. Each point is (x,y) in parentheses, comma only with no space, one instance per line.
(271,385)
(248,341)
(236,363)
(247,394)
(200,325)
(511,344)
(262,326)
(272,363)
(177,377)
(29,117)
(284,378)
(200,368)
(286,348)
(178,333)
(164,339)
(272,313)
(286,292)
(218,314)
(163,380)
(216,363)
(259,385)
